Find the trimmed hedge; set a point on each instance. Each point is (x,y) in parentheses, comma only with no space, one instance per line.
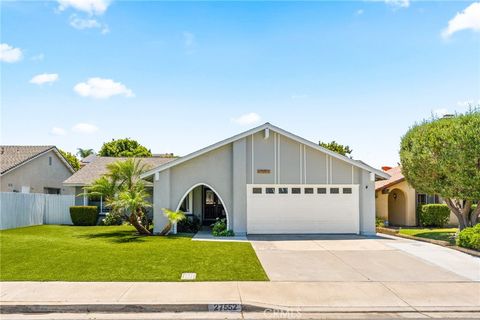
(470,238)
(433,215)
(84,215)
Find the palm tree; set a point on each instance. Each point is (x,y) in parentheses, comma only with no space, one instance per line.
(83,153)
(127,172)
(173,217)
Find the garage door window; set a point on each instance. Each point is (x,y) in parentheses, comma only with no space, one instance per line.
(321,190)
(347,190)
(296,190)
(283,190)
(334,190)
(257,190)
(308,190)
(270,190)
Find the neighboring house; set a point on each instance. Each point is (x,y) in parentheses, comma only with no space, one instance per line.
(396,201)
(34,169)
(93,168)
(269,181)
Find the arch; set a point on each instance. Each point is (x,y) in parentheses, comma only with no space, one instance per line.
(213,189)
(396,207)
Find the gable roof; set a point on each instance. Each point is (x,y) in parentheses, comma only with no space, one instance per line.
(98,167)
(396,176)
(12,157)
(378,173)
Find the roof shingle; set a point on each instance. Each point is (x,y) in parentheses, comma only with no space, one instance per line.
(396,176)
(14,156)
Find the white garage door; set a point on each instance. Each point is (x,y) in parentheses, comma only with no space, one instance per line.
(277,209)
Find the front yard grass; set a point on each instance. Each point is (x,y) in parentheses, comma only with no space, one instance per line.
(68,253)
(446,234)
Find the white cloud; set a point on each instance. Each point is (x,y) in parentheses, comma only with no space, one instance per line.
(359,12)
(56,131)
(440,112)
(44,78)
(10,54)
(79,23)
(38,57)
(467,19)
(86,128)
(398,3)
(468,103)
(247,119)
(92,7)
(99,88)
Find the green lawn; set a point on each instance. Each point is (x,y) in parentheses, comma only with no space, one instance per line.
(68,253)
(436,234)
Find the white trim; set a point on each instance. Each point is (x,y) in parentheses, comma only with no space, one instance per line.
(300,160)
(353,179)
(304,164)
(279,157)
(311,144)
(327,174)
(218,195)
(253,160)
(331,170)
(275,156)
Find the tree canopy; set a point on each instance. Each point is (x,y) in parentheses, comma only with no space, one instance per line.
(83,153)
(71,159)
(344,150)
(442,156)
(124,148)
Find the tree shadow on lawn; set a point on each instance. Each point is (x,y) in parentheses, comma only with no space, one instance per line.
(440,235)
(115,236)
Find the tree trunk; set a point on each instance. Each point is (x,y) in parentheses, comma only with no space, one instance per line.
(475,214)
(457,212)
(141,229)
(166,229)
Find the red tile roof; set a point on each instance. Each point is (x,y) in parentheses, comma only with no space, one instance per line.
(396,177)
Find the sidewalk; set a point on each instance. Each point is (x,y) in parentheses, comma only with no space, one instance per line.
(17,297)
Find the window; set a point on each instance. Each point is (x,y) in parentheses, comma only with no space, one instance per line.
(49,161)
(296,190)
(283,190)
(334,190)
(427,199)
(257,190)
(321,190)
(347,190)
(308,190)
(270,190)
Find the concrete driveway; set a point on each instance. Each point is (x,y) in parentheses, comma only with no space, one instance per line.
(343,258)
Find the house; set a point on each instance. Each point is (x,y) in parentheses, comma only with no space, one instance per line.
(33,169)
(269,181)
(93,168)
(396,201)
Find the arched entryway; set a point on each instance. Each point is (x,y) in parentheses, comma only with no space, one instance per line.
(204,202)
(396,208)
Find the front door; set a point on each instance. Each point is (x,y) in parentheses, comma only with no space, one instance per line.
(212,207)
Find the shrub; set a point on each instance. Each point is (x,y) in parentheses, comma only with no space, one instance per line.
(84,215)
(112,219)
(433,215)
(469,238)
(189,225)
(379,222)
(219,229)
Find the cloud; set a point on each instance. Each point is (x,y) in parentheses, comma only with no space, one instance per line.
(86,128)
(468,103)
(247,119)
(89,23)
(359,12)
(56,131)
(92,7)
(44,78)
(10,54)
(99,88)
(398,3)
(440,112)
(38,57)
(467,19)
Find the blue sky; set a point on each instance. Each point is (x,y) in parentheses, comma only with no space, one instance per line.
(178,76)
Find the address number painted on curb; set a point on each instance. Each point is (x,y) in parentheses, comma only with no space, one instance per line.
(225,307)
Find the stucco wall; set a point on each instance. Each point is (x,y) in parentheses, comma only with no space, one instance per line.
(381,203)
(38,174)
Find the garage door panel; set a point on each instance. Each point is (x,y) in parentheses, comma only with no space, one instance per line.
(302,213)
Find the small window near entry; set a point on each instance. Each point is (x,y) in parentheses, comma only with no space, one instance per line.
(334,190)
(257,190)
(283,190)
(49,161)
(321,190)
(270,190)
(308,190)
(347,190)
(296,190)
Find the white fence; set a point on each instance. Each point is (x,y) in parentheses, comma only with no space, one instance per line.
(27,209)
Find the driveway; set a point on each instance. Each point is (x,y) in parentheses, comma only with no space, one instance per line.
(340,258)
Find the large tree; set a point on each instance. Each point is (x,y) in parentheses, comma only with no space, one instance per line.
(83,153)
(442,156)
(71,159)
(344,150)
(124,148)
